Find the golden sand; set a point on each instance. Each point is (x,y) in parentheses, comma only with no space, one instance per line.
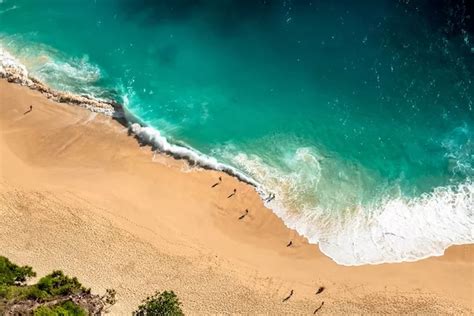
(78,194)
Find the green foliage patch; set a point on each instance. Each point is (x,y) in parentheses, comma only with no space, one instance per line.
(13,289)
(67,308)
(56,283)
(160,304)
(12,274)
(54,294)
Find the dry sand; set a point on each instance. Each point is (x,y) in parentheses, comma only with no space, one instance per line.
(78,194)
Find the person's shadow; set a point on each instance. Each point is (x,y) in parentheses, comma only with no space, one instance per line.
(288,297)
(317,309)
(245,214)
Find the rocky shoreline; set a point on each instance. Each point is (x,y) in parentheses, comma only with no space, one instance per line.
(13,71)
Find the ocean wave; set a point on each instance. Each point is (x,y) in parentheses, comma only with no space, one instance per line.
(152,136)
(75,75)
(405,229)
(10,66)
(64,73)
(298,185)
(394,230)
(15,71)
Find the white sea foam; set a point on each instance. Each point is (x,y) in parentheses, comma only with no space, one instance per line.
(10,66)
(15,71)
(395,230)
(75,75)
(406,229)
(63,73)
(153,137)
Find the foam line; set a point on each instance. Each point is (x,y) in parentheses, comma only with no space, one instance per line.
(153,137)
(14,71)
(398,230)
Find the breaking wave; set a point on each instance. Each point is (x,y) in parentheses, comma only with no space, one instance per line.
(393,230)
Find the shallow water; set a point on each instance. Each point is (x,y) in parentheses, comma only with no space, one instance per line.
(358,116)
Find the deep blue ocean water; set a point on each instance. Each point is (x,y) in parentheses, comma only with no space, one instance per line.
(358,116)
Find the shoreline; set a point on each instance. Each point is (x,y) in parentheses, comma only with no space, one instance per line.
(15,72)
(138,223)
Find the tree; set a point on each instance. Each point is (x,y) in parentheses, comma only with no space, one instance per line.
(160,304)
(12,274)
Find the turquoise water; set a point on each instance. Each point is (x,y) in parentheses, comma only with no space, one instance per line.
(358,116)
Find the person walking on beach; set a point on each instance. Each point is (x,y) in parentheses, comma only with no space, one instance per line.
(290,243)
(217,183)
(242,216)
(30,109)
(235,191)
(320,290)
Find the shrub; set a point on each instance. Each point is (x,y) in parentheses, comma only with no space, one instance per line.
(3,291)
(11,274)
(24,292)
(48,292)
(34,293)
(160,304)
(57,283)
(67,308)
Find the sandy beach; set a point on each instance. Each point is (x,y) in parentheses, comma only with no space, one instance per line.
(78,193)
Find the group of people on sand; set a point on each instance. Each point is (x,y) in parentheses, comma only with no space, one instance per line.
(319,291)
(270,197)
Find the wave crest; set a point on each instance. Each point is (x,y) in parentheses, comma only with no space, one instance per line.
(153,137)
(405,229)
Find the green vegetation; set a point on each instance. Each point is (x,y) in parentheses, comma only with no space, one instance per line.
(67,308)
(160,304)
(57,294)
(57,283)
(11,274)
(48,288)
